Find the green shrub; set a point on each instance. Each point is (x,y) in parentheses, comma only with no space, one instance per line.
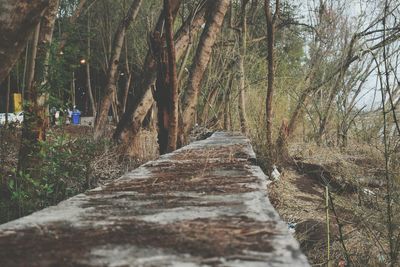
(63,171)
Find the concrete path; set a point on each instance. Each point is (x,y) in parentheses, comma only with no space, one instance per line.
(203,205)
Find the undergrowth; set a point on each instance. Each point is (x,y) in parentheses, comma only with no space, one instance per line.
(69,165)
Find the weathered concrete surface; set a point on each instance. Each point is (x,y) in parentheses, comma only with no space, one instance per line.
(203,205)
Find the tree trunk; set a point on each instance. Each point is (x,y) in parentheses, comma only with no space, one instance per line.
(227,105)
(24,75)
(31,64)
(132,119)
(126,91)
(166,93)
(30,132)
(215,19)
(161,90)
(88,76)
(242,55)
(111,87)
(173,79)
(128,78)
(327,109)
(35,116)
(73,90)
(8,98)
(42,74)
(183,64)
(271,19)
(301,102)
(16,29)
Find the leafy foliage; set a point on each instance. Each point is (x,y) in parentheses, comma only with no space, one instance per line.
(64,171)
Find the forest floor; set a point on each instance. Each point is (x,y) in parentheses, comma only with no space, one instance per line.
(356,210)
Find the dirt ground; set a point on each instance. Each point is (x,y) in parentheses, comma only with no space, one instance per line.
(356,206)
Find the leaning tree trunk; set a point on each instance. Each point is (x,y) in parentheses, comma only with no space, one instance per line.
(128,78)
(131,121)
(303,99)
(111,86)
(287,129)
(16,29)
(35,116)
(216,14)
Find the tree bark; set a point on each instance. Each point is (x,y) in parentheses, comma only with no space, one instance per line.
(128,83)
(88,76)
(215,19)
(242,76)
(271,19)
(8,98)
(227,105)
(132,119)
(173,79)
(31,64)
(323,120)
(161,95)
(42,74)
(294,117)
(166,94)
(128,78)
(111,87)
(183,63)
(18,19)
(24,75)
(35,116)
(73,90)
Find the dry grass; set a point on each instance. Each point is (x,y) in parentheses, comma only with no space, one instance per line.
(85,164)
(356,178)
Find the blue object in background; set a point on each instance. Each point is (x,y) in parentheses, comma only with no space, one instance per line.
(76,117)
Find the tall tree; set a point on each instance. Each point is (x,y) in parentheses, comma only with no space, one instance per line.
(173,78)
(88,76)
(111,87)
(271,27)
(167,84)
(35,116)
(131,121)
(215,18)
(16,29)
(128,80)
(242,75)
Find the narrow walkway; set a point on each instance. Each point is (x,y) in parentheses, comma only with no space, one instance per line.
(203,205)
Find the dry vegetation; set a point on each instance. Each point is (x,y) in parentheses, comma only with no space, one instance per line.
(71,163)
(356,180)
